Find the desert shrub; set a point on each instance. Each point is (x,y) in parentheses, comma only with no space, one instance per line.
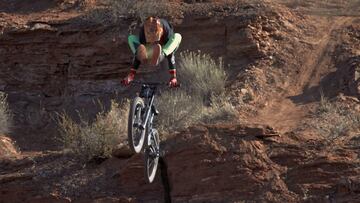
(5,114)
(220,110)
(95,139)
(140,9)
(178,110)
(202,96)
(325,105)
(334,119)
(201,74)
(144,9)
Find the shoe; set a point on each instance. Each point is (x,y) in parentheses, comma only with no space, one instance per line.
(155,54)
(142,54)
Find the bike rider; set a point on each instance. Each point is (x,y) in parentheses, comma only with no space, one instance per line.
(156,41)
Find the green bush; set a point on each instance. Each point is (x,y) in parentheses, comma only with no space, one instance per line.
(95,139)
(5,114)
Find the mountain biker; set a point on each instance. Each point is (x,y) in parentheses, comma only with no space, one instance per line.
(156,41)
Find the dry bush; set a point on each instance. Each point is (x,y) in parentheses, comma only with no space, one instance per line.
(144,9)
(95,139)
(202,96)
(201,74)
(5,114)
(114,10)
(335,119)
(220,110)
(177,110)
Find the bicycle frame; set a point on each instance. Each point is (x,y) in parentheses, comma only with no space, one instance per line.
(143,109)
(150,103)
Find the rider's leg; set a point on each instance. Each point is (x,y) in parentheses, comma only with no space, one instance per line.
(137,49)
(172,44)
(170,49)
(134,42)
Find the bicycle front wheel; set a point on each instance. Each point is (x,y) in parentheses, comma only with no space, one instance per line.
(152,156)
(136,135)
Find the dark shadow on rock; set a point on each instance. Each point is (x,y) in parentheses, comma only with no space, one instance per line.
(328,87)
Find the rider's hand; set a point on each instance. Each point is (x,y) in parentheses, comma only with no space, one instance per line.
(128,79)
(173,82)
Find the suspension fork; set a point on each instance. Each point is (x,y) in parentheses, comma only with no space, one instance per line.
(148,111)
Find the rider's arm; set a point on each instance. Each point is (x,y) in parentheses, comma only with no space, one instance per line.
(171,40)
(172,44)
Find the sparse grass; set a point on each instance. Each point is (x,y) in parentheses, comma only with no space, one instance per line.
(5,114)
(97,139)
(325,105)
(178,110)
(326,7)
(201,74)
(114,10)
(201,98)
(334,119)
(144,9)
(220,110)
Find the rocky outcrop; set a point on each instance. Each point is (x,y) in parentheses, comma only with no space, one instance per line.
(230,163)
(7,148)
(240,166)
(50,64)
(53,64)
(206,163)
(348,61)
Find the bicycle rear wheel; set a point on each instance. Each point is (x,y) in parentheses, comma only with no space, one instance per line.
(152,156)
(136,135)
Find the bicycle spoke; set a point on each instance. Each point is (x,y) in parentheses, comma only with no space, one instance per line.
(136,136)
(151,164)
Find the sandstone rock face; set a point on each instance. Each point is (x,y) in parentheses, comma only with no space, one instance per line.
(230,164)
(52,66)
(206,163)
(7,148)
(348,61)
(54,63)
(237,159)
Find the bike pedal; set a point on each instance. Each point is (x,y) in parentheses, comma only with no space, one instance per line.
(155,111)
(154,155)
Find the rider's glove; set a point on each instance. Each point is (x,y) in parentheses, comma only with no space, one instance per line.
(173,80)
(128,79)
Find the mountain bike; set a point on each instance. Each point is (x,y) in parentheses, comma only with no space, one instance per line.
(141,132)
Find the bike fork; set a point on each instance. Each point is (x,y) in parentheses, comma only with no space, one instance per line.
(148,112)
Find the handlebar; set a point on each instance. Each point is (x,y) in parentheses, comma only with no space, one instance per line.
(151,83)
(148,83)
